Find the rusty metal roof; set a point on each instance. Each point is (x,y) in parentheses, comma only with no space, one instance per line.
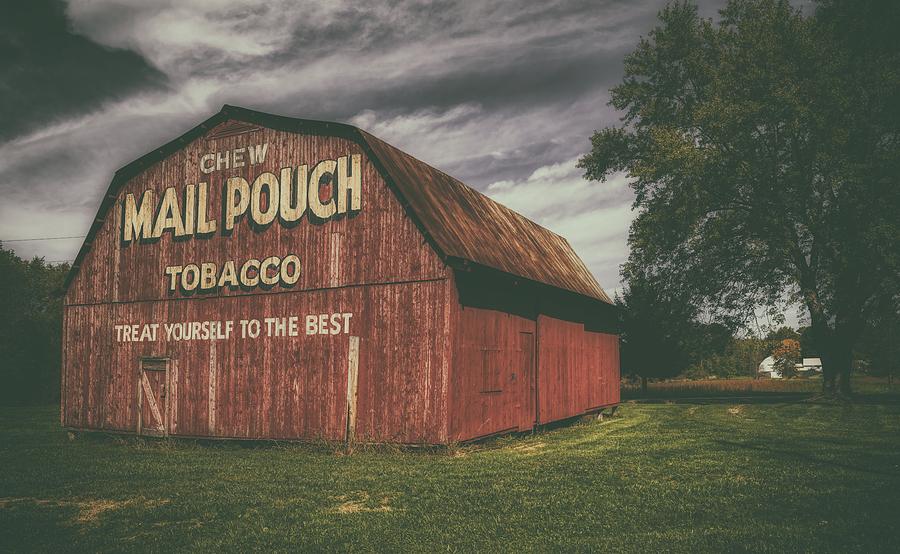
(467,225)
(462,224)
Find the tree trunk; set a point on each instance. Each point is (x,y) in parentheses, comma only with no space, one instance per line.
(844,358)
(644,386)
(844,382)
(822,343)
(836,368)
(829,378)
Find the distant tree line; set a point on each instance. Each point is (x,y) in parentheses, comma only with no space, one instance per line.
(662,337)
(30,329)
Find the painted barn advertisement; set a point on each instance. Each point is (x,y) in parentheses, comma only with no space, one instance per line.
(284,197)
(273,278)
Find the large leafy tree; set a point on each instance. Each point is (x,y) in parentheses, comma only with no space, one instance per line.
(764,151)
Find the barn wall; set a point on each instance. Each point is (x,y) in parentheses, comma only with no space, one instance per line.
(283,387)
(331,252)
(443,355)
(578,370)
(491,383)
(374,263)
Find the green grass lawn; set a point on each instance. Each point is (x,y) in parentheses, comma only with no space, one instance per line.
(686,477)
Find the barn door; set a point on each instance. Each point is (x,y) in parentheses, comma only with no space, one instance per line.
(153,405)
(529,381)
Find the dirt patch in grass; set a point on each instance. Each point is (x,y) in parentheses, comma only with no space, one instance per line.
(529,448)
(89,511)
(361,501)
(7,502)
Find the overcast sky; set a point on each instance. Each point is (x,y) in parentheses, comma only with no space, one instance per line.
(502,95)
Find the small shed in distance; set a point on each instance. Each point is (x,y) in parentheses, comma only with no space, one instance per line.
(264,277)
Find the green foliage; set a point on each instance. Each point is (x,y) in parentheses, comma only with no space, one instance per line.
(764,151)
(660,335)
(879,346)
(651,341)
(30,329)
(787,355)
(661,478)
(740,358)
(783,332)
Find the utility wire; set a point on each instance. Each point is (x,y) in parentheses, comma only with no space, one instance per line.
(43,238)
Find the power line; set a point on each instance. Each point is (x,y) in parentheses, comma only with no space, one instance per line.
(43,238)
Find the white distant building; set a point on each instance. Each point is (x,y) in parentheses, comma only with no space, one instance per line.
(767,368)
(810,364)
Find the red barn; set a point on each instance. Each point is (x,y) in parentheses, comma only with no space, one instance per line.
(266,277)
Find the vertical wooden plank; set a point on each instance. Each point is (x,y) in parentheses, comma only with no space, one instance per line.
(334,259)
(63,372)
(539,377)
(529,387)
(116,260)
(352,382)
(166,407)
(449,355)
(140,401)
(211,400)
(173,396)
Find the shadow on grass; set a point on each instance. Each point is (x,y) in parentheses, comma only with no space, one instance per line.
(800,452)
(306,445)
(834,449)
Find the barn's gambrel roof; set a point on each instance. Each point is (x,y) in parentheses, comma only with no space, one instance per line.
(465,227)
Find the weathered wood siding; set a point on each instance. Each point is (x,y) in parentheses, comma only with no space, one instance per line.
(492,387)
(374,264)
(282,387)
(578,370)
(439,355)
(501,383)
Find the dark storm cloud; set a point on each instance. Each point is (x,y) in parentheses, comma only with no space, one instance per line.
(503,95)
(542,52)
(48,72)
(527,80)
(558,64)
(510,164)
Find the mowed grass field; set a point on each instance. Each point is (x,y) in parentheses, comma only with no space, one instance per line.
(710,476)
